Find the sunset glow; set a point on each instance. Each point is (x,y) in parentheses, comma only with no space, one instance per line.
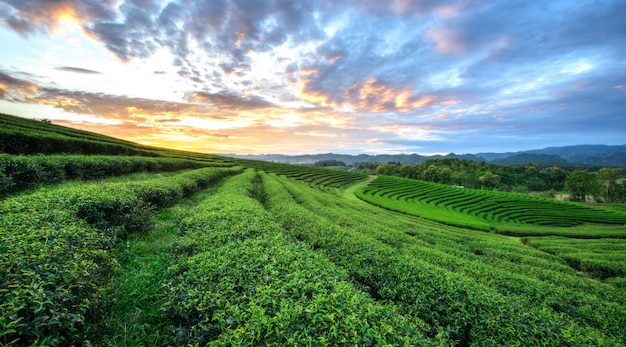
(295,77)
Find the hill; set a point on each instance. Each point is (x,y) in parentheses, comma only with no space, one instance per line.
(522,159)
(309,159)
(596,155)
(170,248)
(603,155)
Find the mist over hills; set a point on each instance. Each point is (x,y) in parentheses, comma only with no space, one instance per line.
(603,155)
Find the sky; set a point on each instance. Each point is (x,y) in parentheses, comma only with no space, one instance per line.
(316,76)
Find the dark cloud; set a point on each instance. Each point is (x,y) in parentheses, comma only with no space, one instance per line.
(135,37)
(80,102)
(229,100)
(15,89)
(78,70)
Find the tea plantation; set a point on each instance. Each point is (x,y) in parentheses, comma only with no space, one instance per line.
(116,244)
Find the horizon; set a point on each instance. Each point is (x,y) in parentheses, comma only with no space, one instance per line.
(298,77)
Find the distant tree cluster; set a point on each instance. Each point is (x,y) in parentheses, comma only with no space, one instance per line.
(330,162)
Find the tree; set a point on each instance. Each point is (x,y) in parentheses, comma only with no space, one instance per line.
(329,162)
(609,181)
(555,177)
(489,180)
(430,174)
(531,169)
(581,183)
(405,171)
(387,169)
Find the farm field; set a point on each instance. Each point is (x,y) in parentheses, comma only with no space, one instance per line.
(516,214)
(191,249)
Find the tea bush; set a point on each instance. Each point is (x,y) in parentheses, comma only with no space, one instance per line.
(478,288)
(480,209)
(56,254)
(19,172)
(242,281)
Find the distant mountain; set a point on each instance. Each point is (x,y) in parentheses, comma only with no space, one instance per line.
(597,155)
(526,158)
(308,159)
(603,155)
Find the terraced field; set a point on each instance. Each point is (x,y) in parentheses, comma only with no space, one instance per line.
(316,177)
(191,249)
(486,210)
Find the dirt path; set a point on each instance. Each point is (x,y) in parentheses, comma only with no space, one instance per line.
(349,193)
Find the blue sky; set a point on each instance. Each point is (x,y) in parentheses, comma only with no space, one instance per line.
(342,76)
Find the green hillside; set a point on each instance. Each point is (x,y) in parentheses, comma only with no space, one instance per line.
(108,243)
(485,209)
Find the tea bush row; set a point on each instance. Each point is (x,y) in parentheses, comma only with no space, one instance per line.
(520,273)
(317,177)
(22,142)
(479,208)
(600,258)
(19,172)
(240,281)
(56,251)
(479,290)
(32,126)
(27,136)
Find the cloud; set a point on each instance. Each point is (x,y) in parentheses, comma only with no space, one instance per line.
(329,68)
(15,89)
(30,17)
(229,100)
(78,70)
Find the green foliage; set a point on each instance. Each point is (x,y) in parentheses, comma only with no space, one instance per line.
(56,251)
(599,258)
(480,209)
(471,288)
(489,180)
(581,183)
(320,178)
(19,172)
(468,173)
(26,136)
(608,178)
(330,162)
(241,281)
(279,255)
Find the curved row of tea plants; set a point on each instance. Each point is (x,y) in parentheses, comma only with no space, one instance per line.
(27,136)
(9,122)
(601,258)
(19,172)
(480,209)
(55,250)
(317,177)
(474,288)
(241,281)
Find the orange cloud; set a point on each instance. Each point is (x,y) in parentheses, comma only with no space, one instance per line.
(305,94)
(16,89)
(50,15)
(374,96)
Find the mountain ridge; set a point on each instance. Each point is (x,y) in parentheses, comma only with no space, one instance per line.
(605,155)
